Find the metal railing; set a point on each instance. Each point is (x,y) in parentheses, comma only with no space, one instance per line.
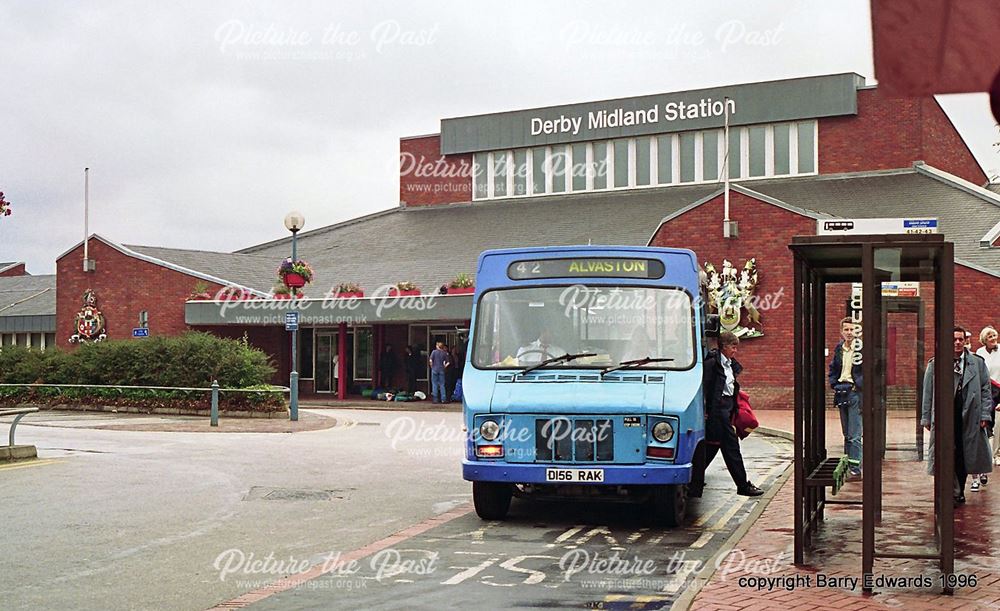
(18,413)
(214,389)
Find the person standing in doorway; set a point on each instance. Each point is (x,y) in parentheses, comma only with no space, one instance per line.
(845,380)
(721,389)
(973,403)
(450,374)
(412,364)
(439,362)
(335,365)
(388,364)
(990,352)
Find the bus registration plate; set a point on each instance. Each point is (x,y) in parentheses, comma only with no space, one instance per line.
(574,475)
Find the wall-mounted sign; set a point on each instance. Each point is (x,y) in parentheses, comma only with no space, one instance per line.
(901,289)
(140,332)
(89,321)
(731,293)
(885,226)
(753,103)
(586,267)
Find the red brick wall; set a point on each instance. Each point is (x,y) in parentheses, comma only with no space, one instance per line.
(889,133)
(943,148)
(17,270)
(124,286)
(765,232)
(427,177)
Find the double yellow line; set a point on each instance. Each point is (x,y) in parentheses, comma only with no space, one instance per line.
(26,464)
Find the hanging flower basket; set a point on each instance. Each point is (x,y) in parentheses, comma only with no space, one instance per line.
(294,280)
(295,274)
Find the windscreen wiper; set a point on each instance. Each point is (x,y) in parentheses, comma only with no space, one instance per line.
(636,363)
(556,359)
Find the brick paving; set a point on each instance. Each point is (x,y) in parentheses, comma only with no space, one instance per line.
(766,550)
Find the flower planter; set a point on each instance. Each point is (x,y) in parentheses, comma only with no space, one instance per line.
(285,296)
(467,290)
(399,293)
(355,295)
(294,281)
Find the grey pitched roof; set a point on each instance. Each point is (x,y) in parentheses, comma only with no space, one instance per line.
(964,218)
(431,245)
(253,271)
(28,296)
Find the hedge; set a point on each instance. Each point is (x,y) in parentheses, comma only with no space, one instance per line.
(147,398)
(193,359)
(190,360)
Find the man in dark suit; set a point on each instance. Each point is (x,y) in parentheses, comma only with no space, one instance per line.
(973,403)
(720,391)
(845,380)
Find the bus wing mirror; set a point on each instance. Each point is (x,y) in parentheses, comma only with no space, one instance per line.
(712,325)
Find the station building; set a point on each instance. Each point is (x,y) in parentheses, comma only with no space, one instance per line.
(646,170)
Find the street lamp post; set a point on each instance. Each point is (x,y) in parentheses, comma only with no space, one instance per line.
(294,221)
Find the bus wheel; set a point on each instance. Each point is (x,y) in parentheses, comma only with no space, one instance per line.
(492,499)
(669,505)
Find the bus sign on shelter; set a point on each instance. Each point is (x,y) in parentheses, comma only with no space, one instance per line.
(291,321)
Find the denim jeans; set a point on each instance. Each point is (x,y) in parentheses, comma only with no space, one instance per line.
(437,386)
(850,422)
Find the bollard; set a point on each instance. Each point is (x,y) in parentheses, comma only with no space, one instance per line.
(293,401)
(215,403)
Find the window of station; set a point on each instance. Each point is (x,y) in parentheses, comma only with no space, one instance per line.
(755,151)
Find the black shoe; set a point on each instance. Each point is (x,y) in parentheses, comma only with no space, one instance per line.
(960,499)
(694,493)
(749,490)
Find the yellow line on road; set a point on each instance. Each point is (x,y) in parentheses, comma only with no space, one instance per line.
(33,463)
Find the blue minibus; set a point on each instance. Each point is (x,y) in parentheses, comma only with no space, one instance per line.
(583,377)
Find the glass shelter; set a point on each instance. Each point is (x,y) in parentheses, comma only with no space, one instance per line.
(885,302)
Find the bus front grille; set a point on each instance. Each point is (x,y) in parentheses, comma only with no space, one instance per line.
(574,440)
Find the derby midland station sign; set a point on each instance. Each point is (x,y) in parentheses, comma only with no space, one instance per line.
(775,101)
(619,117)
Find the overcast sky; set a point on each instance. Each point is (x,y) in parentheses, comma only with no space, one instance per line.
(203,123)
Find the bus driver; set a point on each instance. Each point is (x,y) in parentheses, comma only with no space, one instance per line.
(539,350)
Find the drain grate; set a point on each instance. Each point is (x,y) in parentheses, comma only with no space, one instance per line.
(263,493)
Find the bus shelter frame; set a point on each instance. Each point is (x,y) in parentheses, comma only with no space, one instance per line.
(821,260)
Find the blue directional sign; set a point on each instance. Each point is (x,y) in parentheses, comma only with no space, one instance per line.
(140,332)
(291,321)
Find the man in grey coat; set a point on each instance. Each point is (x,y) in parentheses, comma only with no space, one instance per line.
(973,402)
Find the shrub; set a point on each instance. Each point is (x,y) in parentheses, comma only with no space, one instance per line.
(193,359)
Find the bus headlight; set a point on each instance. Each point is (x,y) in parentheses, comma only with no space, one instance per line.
(489,430)
(663,432)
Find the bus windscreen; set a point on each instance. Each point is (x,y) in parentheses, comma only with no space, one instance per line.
(522,326)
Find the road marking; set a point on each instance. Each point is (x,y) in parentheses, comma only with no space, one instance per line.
(319,570)
(702,540)
(33,463)
(729,514)
(636,535)
(679,579)
(708,516)
(566,535)
(468,572)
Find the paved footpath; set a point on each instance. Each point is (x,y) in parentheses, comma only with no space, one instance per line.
(769,544)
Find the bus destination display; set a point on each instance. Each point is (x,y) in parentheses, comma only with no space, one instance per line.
(586,267)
